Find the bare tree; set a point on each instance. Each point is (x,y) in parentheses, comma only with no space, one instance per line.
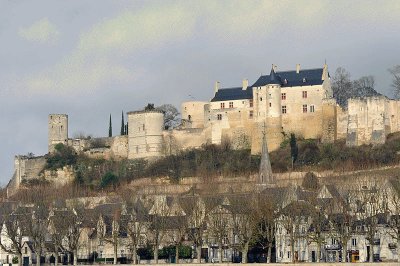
(244,218)
(342,224)
(370,208)
(36,224)
(11,235)
(196,212)
(136,226)
(58,230)
(74,232)
(341,86)
(395,71)
(266,213)
(158,218)
(112,238)
(219,227)
(171,115)
(394,211)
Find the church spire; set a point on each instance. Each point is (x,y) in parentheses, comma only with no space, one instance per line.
(265,176)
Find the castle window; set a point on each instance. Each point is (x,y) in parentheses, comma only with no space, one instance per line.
(354,242)
(304,108)
(260,99)
(251,102)
(189,117)
(222,105)
(283,109)
(230,104)
(270,104)
(219,116)
(312,109)
(304,94)
(283,96)
(250,114)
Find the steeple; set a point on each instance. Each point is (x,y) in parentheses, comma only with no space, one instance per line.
(265,176)
(274,79)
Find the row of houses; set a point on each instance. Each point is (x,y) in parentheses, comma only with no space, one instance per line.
(309,223)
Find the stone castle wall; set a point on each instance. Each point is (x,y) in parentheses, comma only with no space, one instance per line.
(28,168)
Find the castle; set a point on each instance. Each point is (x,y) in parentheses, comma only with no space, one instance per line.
(298,101)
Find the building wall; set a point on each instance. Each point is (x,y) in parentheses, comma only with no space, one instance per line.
(28,168)
(368,121)
(193,114)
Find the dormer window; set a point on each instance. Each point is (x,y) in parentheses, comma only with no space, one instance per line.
(304,80)
(285,81)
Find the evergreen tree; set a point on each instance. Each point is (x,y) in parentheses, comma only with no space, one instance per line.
(294,150)
(110,128)
(123,132)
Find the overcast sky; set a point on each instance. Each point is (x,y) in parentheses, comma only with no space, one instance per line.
(92,58)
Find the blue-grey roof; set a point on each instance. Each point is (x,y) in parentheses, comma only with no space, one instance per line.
(291,78)
(228,94)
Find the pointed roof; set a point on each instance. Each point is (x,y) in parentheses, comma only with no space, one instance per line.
(265,173)
(274,79)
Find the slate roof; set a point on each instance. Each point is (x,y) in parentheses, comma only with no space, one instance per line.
(305,77)
(237,93)
(312,77)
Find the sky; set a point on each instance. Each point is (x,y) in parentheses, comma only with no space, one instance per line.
(90,59)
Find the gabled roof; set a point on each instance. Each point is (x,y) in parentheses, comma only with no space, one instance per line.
(227,94)
(291,78)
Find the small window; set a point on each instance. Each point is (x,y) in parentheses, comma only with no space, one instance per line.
(143,127)
(222,105)
(260,99)
(304,108)
(270,104)
(304,80)
(283,109)
(304,94)
(288,254)
(312,109)
(189,117)
(354,242)
(250,114)
(285,81)
(251,102)
(230,104)
(26,250)
(283,96)
(219,116)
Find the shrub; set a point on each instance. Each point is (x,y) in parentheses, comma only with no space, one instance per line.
(109,179)
(310,181)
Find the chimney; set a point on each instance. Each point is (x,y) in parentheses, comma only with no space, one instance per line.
(245,84)
(297,68)
(216,87)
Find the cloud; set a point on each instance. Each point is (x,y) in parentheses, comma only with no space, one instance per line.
(100,55)
(42,31)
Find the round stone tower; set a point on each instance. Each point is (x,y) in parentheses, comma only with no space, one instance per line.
(58,130)
(274,113)
(145,138)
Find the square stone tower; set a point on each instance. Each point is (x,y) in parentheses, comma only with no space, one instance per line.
(58,130)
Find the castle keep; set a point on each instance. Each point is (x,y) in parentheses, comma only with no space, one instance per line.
(298,101)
